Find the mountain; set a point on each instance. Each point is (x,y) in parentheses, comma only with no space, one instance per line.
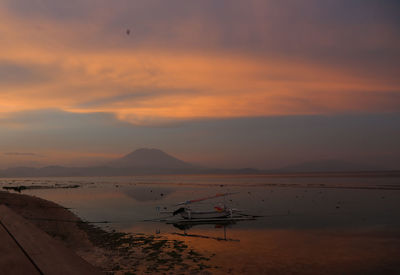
(156,162)
(140,162)
(150,158)
(330,165)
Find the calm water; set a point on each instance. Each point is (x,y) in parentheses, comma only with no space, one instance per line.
(317,215)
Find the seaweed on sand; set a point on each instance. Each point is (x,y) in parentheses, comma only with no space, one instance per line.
(146,253)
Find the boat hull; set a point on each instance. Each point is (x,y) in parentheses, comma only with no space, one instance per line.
(204,215)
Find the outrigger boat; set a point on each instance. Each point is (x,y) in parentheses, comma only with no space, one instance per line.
(219,212)
(221,216)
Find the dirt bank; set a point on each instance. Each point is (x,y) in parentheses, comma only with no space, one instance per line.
(113,252)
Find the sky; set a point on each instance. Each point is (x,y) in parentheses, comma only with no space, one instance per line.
(228,83)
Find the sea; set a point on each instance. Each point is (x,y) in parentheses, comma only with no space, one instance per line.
(288,224)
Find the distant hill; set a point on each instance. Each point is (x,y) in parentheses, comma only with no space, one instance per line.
(156,162)
(330,165)
(140,162)
(150,158)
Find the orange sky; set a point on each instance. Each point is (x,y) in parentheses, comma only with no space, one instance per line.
(61,68)
(196,61)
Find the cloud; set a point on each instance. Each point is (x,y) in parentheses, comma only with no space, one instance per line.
(189,60)
(56,10)
(13,74)
(55,119)
(226,81)
(201,86)
(260,26)
(22,154)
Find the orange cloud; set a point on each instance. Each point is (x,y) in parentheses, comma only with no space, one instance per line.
(143,84)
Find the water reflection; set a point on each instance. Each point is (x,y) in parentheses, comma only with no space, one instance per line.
(308,225)
(309,251)
(286,203)
(185,226)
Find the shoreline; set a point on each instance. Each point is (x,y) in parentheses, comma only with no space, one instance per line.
(112,252)
(390,173)
(362,249)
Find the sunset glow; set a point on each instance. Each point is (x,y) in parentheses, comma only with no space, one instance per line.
(202,61)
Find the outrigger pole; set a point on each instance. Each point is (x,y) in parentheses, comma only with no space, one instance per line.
(206,198)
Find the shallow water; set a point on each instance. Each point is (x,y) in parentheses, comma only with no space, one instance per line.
(305,223)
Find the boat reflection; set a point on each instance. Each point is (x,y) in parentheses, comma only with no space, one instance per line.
(186,225)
